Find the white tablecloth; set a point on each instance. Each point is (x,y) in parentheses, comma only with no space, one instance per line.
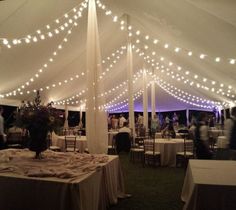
(81,143)
(168,150)
(215,133)
(222,142)
(210,184)
(61,181)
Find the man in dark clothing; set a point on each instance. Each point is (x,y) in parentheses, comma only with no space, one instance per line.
(232,134)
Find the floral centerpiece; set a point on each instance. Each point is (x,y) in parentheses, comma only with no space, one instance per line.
(38,120)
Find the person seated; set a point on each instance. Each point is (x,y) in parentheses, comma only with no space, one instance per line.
(169,131)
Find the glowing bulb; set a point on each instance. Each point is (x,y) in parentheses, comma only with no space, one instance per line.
(27,40)
(190,53)
(15,41)
(177,49)
(5,41)
(232,61)
(115,19)
(155,41)
(202,56)
(166,46)
(217,59)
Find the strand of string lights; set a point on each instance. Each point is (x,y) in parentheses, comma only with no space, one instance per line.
(49,30)
(110,91)
(196,77)
(178,76)
(220,90)
(113,59)
(51,59)
(202,56)
(155,41)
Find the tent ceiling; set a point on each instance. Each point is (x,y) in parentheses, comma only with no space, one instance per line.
(201,26)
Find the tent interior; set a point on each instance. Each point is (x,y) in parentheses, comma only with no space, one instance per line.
(187,47)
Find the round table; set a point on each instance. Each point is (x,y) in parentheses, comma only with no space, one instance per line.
(222,142)
(168,149)
(81,143)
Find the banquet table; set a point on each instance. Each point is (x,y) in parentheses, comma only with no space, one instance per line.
(60,181)
(168,149)
(210,184)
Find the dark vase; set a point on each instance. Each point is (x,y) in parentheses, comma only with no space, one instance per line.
(38,140)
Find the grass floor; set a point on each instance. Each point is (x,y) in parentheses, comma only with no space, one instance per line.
(152,188)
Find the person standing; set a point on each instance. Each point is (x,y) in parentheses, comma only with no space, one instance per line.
(122,120)
(140,120)
(114,122)
(154,125)
(230,132)
(201,140)
(2,134)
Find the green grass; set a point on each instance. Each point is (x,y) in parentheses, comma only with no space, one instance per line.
(151,187)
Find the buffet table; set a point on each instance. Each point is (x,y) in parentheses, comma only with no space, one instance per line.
(210,184)
(60,181)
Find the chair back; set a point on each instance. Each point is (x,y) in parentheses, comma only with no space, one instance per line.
(123,142)
(70,143)
(188,146)
(14,138)
(149,145)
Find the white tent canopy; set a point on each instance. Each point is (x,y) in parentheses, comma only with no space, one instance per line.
(55,63)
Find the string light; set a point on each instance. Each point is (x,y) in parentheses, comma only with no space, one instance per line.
(187,73)
(43,67)
(43,33)
(177,49)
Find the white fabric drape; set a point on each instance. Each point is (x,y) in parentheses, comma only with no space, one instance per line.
(80,116)
(187,116)
(225,113)
(130,86)
(96,123)
(153,98)
(145,100)
(66,125)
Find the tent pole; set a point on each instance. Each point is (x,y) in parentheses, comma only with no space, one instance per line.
(145,100)
(130,79)
(153,98)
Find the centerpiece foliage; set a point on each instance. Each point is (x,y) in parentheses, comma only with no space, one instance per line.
(38,120)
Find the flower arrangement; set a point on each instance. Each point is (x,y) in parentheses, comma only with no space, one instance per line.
(34,115)
(38,120)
